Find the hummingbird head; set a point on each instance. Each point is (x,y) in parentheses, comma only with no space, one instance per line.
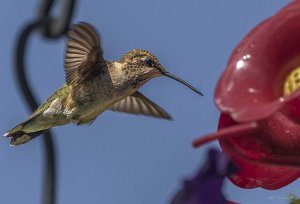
(140,66)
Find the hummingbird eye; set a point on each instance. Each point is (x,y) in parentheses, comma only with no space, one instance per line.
(149,62)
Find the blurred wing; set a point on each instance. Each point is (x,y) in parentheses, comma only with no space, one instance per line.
(84,56)
(138,104)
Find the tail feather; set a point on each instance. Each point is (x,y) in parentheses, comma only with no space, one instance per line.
(19,127)
(21,137)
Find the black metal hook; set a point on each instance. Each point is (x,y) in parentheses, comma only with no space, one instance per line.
(51,28)
(55,27)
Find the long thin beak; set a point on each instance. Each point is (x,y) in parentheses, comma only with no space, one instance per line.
(172,76)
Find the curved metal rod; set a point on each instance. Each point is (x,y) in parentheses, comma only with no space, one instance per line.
(56,26)
(49,194)
(44,9)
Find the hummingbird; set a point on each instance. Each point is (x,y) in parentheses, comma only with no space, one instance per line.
(94,85)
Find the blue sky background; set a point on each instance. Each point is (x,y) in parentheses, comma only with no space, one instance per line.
(122,158)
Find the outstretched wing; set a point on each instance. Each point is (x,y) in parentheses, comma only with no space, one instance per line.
(84,56)
(139,104)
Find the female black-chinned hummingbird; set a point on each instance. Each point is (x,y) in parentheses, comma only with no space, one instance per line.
(94,85)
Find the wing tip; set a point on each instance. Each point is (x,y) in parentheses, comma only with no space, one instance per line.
(167,117)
